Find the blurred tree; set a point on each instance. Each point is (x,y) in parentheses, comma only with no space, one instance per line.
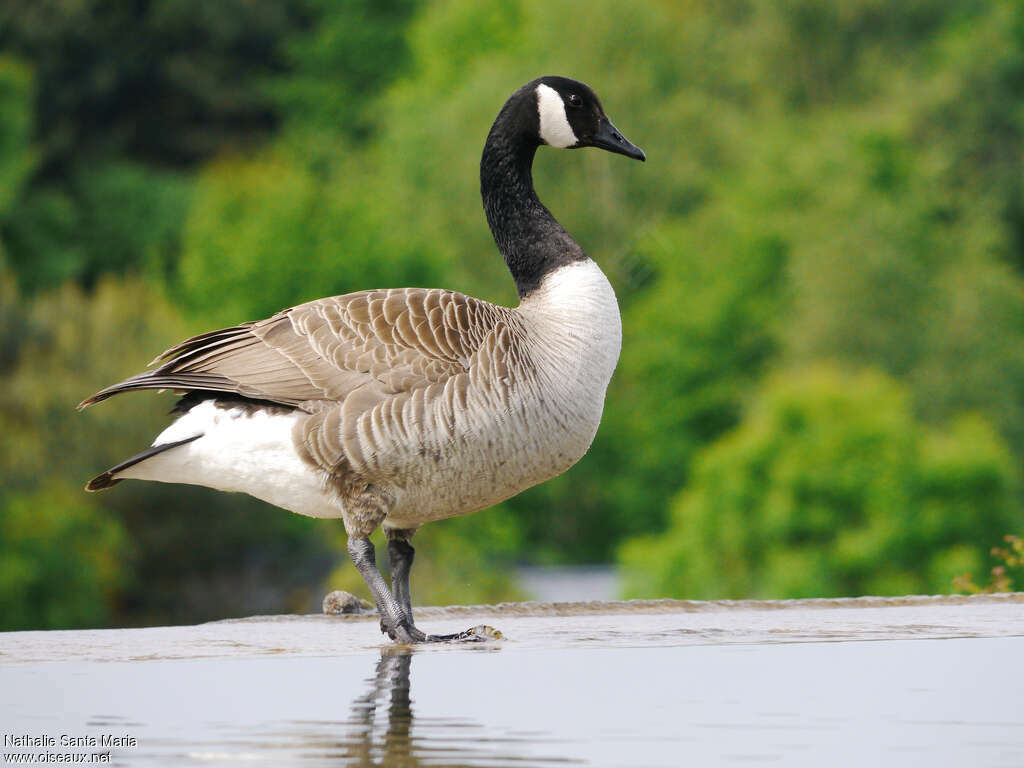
(266,233)
(16,156)
(59,556)
(146,551)
(133,95)
(817,54)
(831,487)
(105,218)
(161,81)
(60,561)
(904,242)
(1001,576)
(338,65)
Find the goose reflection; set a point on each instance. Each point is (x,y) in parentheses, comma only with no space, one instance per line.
(395,747)
(379,730)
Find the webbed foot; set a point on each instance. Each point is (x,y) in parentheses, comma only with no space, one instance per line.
(408,633)
(477,634)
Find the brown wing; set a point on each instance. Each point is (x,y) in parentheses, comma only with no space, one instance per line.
(371,344)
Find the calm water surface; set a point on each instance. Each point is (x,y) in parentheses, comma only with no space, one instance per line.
(941,699)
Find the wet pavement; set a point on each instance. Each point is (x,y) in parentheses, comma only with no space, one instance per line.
(644,683)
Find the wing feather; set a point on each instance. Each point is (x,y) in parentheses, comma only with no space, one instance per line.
(355,349)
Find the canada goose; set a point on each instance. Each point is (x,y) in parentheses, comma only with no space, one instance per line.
(397,407)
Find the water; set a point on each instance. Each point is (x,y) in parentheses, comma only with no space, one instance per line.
(644,684)
(567,583)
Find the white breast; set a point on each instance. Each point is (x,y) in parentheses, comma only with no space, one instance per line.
(574,320)
(576,337)
(493,450)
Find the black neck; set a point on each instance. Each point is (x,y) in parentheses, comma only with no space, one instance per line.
(528,236)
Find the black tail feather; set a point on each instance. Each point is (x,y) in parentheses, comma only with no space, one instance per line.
(107,479)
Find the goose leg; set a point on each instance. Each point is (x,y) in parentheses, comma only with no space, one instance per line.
(393,619)
(400,555)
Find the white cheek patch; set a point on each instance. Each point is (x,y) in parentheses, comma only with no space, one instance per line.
(554,125)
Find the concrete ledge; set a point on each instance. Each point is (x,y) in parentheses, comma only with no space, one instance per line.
(655,683)
(635,623)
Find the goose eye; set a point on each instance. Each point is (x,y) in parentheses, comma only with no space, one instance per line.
(574,100)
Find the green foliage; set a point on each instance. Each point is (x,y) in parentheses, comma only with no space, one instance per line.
(61,555)
(685,376)
(170,81)
(267,233)
(132,96)
(336,66)
(59,560)
(1011,565)
(16,157)
(144,552)
(107,218)
(898,199)
(830,486)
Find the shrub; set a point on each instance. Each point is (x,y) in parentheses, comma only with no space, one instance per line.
(831,486)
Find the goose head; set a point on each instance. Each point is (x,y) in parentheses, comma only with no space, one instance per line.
(570,116)
(558,112)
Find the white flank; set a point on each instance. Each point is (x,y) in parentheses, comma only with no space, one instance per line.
(249,452)
(554,125)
